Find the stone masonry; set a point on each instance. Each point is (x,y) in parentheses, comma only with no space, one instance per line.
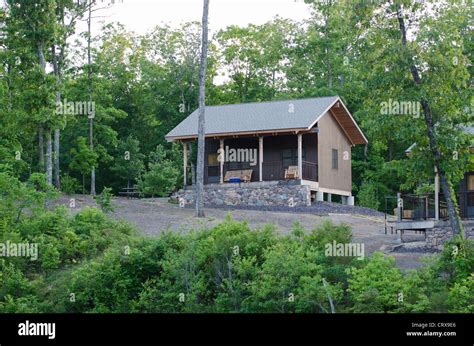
(437,236)
(269,193)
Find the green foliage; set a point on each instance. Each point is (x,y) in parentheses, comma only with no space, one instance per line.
(461,296)
(375,287)
(129,161)
(69,185)
(104,200)
(84,158)
(368,196)
(161,177)
(457,259)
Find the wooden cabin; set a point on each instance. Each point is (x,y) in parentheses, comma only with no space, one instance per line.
(308,141)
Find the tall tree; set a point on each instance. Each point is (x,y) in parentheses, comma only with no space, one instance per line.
(201,118)
(89,79)
(430,125)
(67,13)
(35,21)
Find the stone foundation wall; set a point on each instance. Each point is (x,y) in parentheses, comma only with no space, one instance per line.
(255,193)
(437,236)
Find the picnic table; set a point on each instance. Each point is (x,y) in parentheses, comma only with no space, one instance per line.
(130,192)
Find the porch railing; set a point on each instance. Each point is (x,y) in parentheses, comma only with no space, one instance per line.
(422,206)
(310,171)
(272,170)
(275,170)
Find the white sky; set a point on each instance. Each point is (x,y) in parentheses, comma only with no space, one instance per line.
(142,15)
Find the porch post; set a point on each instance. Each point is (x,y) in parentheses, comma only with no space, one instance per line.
(222,161)
(260,158)
(300,156)
(436,195)
(185,163)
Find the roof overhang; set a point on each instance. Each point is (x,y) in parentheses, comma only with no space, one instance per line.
(346,121)
(238,134)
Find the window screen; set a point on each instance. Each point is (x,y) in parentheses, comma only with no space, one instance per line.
(335,159)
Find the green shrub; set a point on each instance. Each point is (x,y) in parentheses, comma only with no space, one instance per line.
(288,281)
(457,259)
(368,196)
(376,286)
(461,296)
(104,200)
(69,185)
(161,176)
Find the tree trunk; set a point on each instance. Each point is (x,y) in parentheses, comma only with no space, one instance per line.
(49,158)
(57,180)
(201,121)
(57,73)
(89,77)
(42,62)
(41,148)
(433,142)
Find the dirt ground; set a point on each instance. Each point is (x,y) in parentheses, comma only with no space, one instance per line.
(153,216)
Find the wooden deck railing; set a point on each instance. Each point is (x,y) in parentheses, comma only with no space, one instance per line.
(272,170)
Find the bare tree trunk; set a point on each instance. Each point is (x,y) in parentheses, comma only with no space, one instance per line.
(57,73)
(331,304)
(41,148)
(89,77)
(49,162)
(49,158)
(201,121)
(328,53)
(435,151)
(57,180)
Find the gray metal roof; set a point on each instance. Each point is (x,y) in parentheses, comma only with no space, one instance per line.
(255,117)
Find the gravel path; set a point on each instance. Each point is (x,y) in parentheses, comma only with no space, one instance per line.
(318,208)
(155,215)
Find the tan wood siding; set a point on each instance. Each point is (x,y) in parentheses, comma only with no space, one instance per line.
(331,136)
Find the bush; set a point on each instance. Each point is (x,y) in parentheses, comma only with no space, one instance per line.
(69,185)
(461,296)
(376,286)
(104,200)
(457,259)
(160,179)
(368,196)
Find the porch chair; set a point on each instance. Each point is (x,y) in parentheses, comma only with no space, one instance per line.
(246,175)
(231,174)
(291,172)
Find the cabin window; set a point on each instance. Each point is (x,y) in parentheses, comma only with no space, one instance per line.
(470,182)
(212,159)
(335,157)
